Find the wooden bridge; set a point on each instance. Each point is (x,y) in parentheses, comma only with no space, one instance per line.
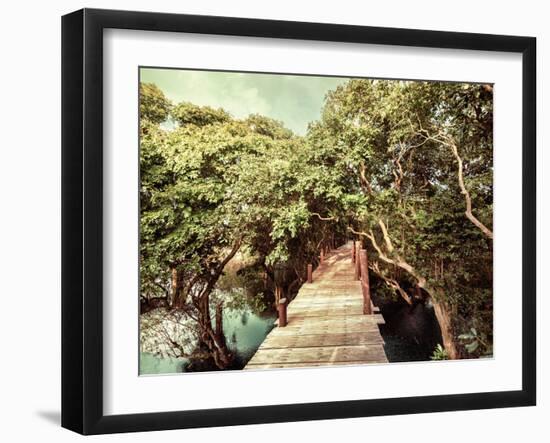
(331,321)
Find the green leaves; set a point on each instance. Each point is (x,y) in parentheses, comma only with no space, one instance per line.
(190,114)
(439,353)
(475,341)
(212,180)
(471,347)
(290,220)
(378,156)
(154,107)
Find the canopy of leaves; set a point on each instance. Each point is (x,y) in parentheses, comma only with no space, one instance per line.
(395,148)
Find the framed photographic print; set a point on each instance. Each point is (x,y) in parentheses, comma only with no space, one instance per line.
(269,221)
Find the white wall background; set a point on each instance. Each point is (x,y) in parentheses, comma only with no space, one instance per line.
(30,218)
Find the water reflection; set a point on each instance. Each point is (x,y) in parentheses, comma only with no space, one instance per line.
(244,331)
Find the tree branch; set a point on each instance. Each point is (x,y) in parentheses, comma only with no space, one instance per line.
(447,141)
(365,184)
(214,277)
(398,260)
(391,283)
(466,194)
(323,218)
(387,238)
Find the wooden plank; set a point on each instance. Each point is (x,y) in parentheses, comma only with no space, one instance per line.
(326,324)
(253,366)
(313,340)
(332,284)
(324,311)
(316,354)
(326,327)
(335,323)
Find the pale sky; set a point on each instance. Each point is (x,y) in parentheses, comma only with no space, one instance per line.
(295,100)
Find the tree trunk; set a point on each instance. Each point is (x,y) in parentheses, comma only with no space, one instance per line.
(444,319)
(177,294)
(209,337)
(214,339)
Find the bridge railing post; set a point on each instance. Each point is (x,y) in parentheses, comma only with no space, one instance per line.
(353,252)
(282,312)
(357,247)
(365,285)
(310,273)
(322,255)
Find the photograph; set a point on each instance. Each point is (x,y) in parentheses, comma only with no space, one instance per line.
(261,222)
(295,221)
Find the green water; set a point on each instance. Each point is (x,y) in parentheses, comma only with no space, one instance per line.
(151,364)
(244,331)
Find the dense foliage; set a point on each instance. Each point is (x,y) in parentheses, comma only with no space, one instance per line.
(415,159)
(406,167)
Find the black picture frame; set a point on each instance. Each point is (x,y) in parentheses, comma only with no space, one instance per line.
(82,218)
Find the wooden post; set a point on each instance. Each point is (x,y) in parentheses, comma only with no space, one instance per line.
(310,273)
(174,287)
(353,252)
(357,262)
(365,285)
(322,256)
(282,313)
